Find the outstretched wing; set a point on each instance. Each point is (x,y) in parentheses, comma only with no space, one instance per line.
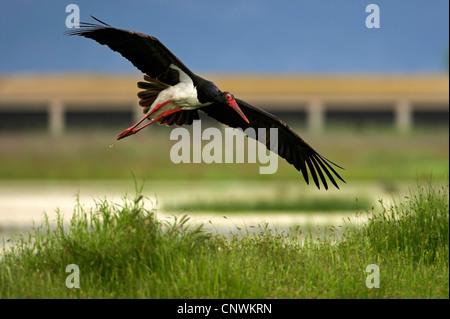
(290,145)
(145,52)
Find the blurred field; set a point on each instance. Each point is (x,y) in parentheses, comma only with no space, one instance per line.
(267,228)
(379,155)
(241,84)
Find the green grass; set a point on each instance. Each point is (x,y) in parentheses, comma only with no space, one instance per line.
(306,204)
(377,156)
(122,250)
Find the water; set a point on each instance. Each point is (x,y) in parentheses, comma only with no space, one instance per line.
(23,204)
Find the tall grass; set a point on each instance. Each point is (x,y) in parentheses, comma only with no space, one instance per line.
(417,229)
(123,250)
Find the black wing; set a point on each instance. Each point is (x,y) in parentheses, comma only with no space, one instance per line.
(145,52)
(290,146)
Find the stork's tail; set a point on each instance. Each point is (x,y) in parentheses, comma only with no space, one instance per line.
(152,89)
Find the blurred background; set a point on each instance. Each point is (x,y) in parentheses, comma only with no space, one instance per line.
(373,100)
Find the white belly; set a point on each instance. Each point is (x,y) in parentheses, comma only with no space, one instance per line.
(183,95)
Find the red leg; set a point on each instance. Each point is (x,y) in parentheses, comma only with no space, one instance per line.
(134,131)
(131,130)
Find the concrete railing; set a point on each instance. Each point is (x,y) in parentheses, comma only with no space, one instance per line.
(56,95)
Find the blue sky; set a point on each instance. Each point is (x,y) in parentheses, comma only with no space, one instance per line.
(325,36)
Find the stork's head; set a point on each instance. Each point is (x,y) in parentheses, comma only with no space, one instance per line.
(228,99)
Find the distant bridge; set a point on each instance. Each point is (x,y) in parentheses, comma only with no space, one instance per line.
(404,98)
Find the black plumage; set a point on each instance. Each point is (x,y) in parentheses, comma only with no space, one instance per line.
(152,58)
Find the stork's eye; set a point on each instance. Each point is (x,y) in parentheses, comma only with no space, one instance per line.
(228,97)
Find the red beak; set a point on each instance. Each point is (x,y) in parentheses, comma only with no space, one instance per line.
(238,110)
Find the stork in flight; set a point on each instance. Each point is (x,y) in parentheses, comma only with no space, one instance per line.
(172,95)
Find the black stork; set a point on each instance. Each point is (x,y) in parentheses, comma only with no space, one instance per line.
(173,94)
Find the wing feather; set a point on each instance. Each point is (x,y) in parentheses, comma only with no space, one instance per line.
(145,52)
(151,57)
(290,145)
